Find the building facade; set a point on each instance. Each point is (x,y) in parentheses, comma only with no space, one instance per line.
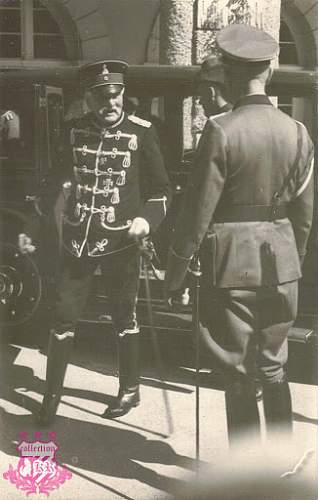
(175,32)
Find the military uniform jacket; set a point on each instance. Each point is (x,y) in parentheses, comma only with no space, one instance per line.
(242,159)
(118,174)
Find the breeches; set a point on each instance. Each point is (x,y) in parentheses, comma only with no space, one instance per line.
(249,328)
(120,277)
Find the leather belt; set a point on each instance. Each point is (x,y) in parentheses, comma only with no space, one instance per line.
(250,213)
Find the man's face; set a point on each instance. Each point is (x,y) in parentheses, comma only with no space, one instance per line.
(106,102)
(207,99)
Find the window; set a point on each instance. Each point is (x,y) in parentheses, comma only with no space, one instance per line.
(288,52)
(29,31)
(10,28)
(287,55)
(48,40)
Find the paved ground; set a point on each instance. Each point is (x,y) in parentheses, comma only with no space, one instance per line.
(131,458)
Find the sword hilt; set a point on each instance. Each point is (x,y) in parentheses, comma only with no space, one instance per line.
(195,266)
(148,250)
(149,254)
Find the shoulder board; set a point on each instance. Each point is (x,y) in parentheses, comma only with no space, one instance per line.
(139,121)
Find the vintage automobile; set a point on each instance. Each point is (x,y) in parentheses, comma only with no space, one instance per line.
(30,143)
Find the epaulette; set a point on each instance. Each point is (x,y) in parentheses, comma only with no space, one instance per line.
(139,121)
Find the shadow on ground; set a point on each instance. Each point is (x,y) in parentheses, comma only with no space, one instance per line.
(101,449)
(92,447)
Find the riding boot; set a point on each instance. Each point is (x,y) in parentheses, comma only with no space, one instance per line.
(128,360)
(278,407)
(241,411)
(59,349)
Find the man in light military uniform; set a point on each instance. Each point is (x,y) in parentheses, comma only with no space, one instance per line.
(116,195)
(249,205)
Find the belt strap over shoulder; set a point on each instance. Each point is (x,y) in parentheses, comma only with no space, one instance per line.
(261,213)
(278,194)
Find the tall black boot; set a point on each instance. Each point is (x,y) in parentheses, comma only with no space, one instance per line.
(242,411)
(128,360)
(278,407)
(59,349)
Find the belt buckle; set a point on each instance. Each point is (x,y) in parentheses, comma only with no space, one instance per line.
(274,211)
(275,206)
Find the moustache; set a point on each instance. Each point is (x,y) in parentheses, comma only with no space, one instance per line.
(104,111)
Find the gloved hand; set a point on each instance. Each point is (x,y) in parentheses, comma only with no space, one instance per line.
(25,244)
(11,122)
(7,116)
(138,229)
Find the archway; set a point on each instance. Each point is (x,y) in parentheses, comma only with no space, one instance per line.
(301,47)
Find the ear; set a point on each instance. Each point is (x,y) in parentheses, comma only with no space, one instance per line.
(270,72)
(218,92)
(88,98)
(212,92)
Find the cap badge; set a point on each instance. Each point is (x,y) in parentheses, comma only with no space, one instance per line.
(105,72)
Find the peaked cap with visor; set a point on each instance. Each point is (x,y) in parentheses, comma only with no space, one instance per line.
(241,43)
(107,74)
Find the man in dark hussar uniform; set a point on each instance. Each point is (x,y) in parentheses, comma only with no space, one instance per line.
(117,193)
(250,204)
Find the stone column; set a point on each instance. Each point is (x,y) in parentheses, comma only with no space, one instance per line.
(176,30)
(176,27)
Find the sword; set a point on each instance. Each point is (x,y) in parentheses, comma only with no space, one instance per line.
(194,269)
(147,253)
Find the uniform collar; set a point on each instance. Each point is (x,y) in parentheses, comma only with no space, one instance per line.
(226,107)
(253,99)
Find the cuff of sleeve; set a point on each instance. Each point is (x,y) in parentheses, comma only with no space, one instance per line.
(179,256)
(154,211)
